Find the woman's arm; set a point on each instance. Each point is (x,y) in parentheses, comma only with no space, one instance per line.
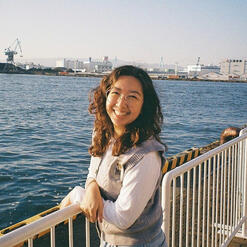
(138,187)
(92,204)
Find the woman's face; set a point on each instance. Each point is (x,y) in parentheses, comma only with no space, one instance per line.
(124,102)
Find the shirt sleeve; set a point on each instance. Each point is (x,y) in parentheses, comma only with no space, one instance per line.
(92,169)
(138,186)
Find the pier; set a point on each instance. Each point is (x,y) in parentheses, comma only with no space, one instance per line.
(204,203)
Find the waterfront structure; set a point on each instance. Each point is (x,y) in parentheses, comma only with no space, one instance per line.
(87,66)
(201,70)
(213,76)
(70,64)
(29,65)
(98,66)
(234,68)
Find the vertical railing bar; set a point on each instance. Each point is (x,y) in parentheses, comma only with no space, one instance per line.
(235,187)
(240,182)
(30,242)
(209,199)
(199,206)
(244,231)
(213,201)
(232,187)
(87,232)
(237,193)
(221,196)
(204,202)
(217,199)
(240,190)
(52,231)
(181,209)
(243,182)
(71,242)
(224,195)
(239,178)
(228,192)
(193,206)
(188,208)
(173,210)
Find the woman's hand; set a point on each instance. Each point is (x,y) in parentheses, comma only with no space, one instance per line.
(75,196)
(92,204)
(65,202)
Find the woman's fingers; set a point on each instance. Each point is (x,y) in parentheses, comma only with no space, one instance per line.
(90,213)
(100,211)
(65,202)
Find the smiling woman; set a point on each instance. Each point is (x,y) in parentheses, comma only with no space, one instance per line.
(123,185)
(124,103)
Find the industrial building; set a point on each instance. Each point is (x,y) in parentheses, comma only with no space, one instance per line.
(86,66)
(234,67)
(98,66)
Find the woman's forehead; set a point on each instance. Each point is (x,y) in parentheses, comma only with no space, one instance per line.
(128,83)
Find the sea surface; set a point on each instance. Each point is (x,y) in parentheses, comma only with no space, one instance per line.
(45,132)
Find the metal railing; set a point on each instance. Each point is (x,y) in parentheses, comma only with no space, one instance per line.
(204,203)
(205,200)
(29,232)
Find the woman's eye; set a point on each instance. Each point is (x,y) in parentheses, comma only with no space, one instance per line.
(132,97)
(115,93)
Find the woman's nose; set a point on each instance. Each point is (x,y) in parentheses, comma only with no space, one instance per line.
(122,101)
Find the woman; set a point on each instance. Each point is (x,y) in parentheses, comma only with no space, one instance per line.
(123,184)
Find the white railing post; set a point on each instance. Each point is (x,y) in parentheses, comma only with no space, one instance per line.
(70,225)
(52,234)
(165,203)
(244,160)
(87,232)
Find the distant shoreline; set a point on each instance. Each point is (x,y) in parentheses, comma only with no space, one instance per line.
(52,72)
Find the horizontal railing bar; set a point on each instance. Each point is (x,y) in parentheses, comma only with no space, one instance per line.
(229,239)
(30,230)
(195,162)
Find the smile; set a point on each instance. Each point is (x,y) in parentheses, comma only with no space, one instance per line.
(120,114)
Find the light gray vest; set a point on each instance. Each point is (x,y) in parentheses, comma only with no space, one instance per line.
(148,225)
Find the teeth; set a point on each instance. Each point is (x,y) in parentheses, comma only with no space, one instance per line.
(120,113)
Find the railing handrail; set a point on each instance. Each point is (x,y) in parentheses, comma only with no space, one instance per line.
(28,231)
(196,161)
(243,131)
(170,178)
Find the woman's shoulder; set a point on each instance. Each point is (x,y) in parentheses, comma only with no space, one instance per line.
(151,145)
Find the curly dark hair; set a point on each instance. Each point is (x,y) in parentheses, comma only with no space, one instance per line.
(148,123)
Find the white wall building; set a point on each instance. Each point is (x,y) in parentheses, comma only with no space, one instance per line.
(237,67)
(98,66)
(70,64)
(199,70)
(60,63)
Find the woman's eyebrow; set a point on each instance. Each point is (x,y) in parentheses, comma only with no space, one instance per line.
(131,91)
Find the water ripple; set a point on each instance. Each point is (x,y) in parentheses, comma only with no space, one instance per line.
(45,132)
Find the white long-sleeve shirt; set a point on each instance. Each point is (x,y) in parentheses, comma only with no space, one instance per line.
(138,186)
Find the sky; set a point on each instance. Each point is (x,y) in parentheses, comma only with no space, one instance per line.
(180,31)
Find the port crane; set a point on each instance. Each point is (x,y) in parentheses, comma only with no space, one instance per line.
(11,51)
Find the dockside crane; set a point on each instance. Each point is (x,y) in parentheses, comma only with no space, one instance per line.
(11,51)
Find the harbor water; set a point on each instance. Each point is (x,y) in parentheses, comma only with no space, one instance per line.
(45,132)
